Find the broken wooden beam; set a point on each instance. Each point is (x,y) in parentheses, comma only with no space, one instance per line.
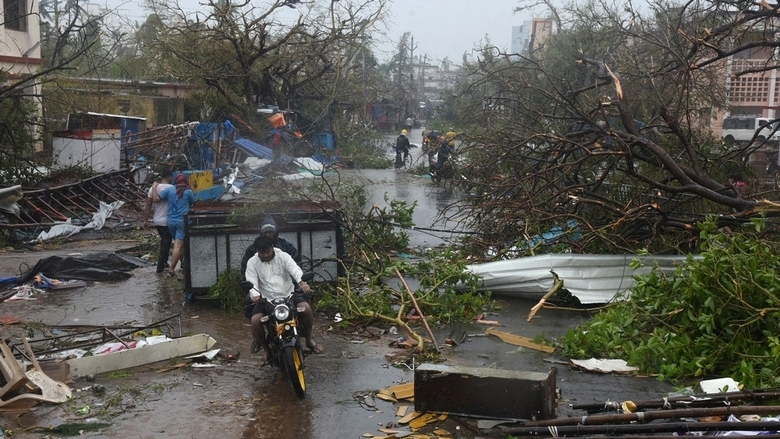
(494,393)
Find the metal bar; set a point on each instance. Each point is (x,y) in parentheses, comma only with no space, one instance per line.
(656,414)
(685,400)
(109,190)
(56,200)
(52,209)
(37,209)
(80,197)
(586,430)
(102,191)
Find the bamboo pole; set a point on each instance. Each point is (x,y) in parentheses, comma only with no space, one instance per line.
(417,308)
(731,436)
(685,401)
(583,430)
(557,285)
(657,414)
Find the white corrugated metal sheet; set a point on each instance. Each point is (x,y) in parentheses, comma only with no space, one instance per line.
(592,279)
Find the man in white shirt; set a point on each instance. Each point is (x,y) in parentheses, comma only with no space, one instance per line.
(160,218)
(272,272)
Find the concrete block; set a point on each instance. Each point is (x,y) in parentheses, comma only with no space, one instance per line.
(483,392)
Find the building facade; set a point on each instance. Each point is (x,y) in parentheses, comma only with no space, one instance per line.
(20,47)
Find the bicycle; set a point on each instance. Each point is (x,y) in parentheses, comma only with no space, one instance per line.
(403,163)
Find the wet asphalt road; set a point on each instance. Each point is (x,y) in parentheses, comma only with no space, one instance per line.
(241,400)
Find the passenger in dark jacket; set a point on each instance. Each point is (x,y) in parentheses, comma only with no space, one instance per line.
(268,228)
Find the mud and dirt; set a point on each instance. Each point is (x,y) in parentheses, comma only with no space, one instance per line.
(239,399)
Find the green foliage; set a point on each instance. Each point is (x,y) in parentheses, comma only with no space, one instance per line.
(19,117)
(718,315)
(228,290)
(380,226)
(362,147)
(360,295)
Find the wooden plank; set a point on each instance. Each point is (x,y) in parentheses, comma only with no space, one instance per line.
(422,421)
(403,391)
(408,418)
(401,410)
(519,340)
(386,397)
(152,353)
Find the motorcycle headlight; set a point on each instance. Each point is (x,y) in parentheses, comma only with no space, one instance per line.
(281,312)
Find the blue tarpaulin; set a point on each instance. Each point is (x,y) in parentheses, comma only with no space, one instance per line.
(255,149)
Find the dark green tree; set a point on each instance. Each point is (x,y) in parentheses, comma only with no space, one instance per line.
(602,129)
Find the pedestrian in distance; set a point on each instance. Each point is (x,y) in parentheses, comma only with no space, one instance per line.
(409,123)
(401,149)
(180,198)
(445,150)
(450,137)
(739,185)
(274,274)
(159,213)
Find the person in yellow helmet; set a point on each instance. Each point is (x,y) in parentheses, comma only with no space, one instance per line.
(401,147)
(450,137)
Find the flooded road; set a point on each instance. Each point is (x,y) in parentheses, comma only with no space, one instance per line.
(401,184)
(239,399)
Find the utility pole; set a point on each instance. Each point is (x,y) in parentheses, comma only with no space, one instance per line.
(410,104)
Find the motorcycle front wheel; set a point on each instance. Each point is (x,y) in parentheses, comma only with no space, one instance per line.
(293,364)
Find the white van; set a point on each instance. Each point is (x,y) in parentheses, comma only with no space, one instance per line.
(742,129)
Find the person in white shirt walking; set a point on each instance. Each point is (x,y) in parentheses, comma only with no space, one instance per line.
(159,213)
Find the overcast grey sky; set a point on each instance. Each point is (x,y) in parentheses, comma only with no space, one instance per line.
(448,28)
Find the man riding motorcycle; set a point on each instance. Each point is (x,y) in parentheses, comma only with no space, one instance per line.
(267,228)
(272,272)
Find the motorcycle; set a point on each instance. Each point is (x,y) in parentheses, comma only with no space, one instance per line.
(281,333)
(445,173)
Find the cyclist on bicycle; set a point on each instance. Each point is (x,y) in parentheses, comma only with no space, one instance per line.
(401,146)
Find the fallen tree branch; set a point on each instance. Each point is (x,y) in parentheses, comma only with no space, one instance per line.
(557,286)
(417,308)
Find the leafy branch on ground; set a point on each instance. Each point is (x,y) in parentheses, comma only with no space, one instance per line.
(228,290)
(371,291)
(717,316)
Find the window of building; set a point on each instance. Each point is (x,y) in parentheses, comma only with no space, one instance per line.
(15,14)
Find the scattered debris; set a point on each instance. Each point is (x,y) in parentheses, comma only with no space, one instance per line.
(158,350)
(518,340)
(457,336)
(605,366)
(719,385)
(75,202)
(25,387)
(481,320)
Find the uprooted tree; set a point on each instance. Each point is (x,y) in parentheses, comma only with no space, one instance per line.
(603,129)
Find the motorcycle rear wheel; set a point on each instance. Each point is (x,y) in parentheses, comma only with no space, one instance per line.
(293,364)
